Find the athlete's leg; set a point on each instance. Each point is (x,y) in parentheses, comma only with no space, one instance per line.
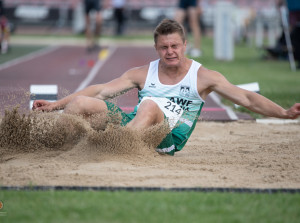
(147,115)
(86,106)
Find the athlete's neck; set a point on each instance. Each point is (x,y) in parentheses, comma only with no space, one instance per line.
(173,74)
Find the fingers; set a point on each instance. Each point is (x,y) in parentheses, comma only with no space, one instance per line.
(297,106)
(294,111)
(36,105)
(39,105)
(297,109)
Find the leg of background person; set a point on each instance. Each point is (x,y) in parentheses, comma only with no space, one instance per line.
(7,35)
(98,28)
(147,115)
(295,39)
(116,18)
(122,21)
(88,33)
(180,15)
(195,27)
(4,34)
(119,17)
(1,34)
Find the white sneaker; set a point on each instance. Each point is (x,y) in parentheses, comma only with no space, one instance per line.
(195,52)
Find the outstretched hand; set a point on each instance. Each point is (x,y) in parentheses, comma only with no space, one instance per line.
(42,105)
(294,111)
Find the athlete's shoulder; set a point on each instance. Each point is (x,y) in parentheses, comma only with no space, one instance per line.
(138,75)
(138,70)
(207,79)
(206,73)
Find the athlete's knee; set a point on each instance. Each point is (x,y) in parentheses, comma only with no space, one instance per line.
(149,109)
(85,105)
(79,101)
(76,105)
(148,106)
(148,114)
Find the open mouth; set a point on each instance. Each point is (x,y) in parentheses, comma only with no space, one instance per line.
(171,58)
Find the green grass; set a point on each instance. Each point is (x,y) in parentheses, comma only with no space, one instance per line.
(91,206)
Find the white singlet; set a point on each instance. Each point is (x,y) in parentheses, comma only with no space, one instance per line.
(184,94)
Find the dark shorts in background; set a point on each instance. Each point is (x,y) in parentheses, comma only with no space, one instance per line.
(294,18)
(184,4)
(91,5)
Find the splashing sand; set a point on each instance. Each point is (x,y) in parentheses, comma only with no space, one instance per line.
(58,149)
(53,131)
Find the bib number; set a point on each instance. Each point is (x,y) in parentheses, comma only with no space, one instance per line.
(171,110)
(172,107)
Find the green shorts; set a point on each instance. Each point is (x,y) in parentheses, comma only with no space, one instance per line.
(172,143)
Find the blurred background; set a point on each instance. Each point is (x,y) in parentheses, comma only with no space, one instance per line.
(141,15)
(256,22)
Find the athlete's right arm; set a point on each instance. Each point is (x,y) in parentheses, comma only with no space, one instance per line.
(130,79)
(43,105)
(133,78)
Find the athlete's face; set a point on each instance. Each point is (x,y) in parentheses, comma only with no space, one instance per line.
(170,49)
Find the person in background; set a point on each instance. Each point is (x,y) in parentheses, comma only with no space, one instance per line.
(92,37)
(190,8)
(4,30)
(119,15)
(279,51)
(294,22)
(294,12)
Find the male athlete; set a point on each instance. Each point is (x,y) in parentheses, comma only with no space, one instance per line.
(172,88)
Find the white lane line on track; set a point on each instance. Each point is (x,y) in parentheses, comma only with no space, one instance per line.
(28,57)
(229,111)
(93,73)
(277,121)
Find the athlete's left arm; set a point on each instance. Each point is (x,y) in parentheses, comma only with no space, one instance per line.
(214,81)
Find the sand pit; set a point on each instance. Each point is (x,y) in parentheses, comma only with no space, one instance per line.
(235,154)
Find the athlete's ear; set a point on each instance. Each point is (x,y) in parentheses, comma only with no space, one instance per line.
(185,42)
